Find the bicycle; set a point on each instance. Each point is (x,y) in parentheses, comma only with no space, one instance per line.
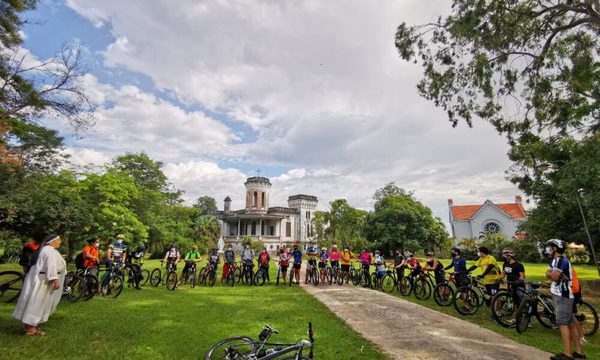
(532,302)
(473,296)
(313,275)
(443,293)
(11,283)
(280,272)
(144,275)
(247,275)
(505,303)
(334,275)
(389,281)
(190,274)
(261,275)
(230,276)
(111,284)
(293,276)
(79,285)
(208,275)
(246,348)
(362,276)
(587,317)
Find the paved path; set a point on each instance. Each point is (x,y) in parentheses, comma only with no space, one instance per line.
(408,331)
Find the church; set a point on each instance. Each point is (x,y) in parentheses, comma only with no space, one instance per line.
(273,226)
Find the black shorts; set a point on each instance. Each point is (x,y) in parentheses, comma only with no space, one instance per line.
(335,264)
(297,266)
(284,268)
(322,265)
(345,268)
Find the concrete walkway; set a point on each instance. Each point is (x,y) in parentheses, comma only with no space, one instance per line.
(408,331)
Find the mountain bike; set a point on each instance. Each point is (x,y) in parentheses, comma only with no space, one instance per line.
(11,283)
(443,293)
(334,275)
(247,348)
(469,298)
(155,277)
(313,273)
(587,317)
(111,284)
(535,304)
(208,275)
(247,275)
(293,276)
(190,274)
(505,303)
(281,274)
(362,276)
(230,275)
(80,285)
(389,281)
(261,275)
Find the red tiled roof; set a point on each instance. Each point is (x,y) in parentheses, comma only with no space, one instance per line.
(466,212)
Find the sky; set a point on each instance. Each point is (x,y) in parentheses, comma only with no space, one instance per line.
(312,93)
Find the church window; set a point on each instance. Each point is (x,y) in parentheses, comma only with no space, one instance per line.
(255,199)
(492,228)
(288,229)
(262,200)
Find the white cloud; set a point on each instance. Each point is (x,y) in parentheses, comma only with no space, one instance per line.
(86,157)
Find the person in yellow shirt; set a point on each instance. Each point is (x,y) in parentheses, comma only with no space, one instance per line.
(346,257)
(489,270)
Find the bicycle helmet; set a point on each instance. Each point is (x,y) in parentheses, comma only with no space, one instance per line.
(429,253)
(508,252)
(323,248)
(334,246)
(556,242)
(120,236)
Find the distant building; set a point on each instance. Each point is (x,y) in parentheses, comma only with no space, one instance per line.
(271,225)
(468,221)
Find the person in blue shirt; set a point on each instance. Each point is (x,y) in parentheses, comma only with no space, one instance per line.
(460,268)
(323,258)
(117,251)
(297,256)
(311,251)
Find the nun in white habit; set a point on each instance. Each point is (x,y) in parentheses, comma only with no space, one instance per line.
(42,288)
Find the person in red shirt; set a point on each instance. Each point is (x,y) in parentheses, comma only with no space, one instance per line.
(263,261)
(90,256)
(28,249)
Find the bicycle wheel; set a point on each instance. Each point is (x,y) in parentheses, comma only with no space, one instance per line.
(155,277)
(466,301)
(292,274)
(72,287)
(329,276)
(211,278)
(339,277)
(91,287)
(278,276)
(259,278)
(504,309)
(171,280)
(315,276)
(422,289)
(388,284)
(544,312)
(522,316)
(11,283)
(405,286)
(230,280)
(587,317)
(145,277)
(249,277)
(193,280)
(239,347)
(355,277)
(112,286)
(443,294)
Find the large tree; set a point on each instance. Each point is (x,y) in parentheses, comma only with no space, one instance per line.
(345,224)
(206,205)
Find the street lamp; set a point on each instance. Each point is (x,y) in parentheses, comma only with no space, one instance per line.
(577,197)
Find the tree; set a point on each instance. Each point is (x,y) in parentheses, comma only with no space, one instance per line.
(206,205)
(319,222)
(207,232)
(389,189)
(346,224)
(402,222)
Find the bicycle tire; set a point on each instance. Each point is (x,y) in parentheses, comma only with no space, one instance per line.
(11,283)
(278,276)
(230,280)
(329,276)
(171,281)
(112,286)
(249,277)
(155,277)
(587,317)
(91,287)
(315,276)
(291,279)
(443,295)
(504,309)
(523,316)
(355,278)
(388,284)
(422,290)
(211,278)
(404,286)
(145,277)
(260,278)
(466,301)
(339,278)
(72,287)
(545,316)
(239,347)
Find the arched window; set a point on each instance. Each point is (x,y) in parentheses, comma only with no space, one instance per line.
(255,199)
(492,228)
(262,202)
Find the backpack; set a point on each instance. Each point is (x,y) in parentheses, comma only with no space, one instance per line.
(28,250)
(79,261)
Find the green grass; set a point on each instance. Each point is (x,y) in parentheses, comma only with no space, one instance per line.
(156,323)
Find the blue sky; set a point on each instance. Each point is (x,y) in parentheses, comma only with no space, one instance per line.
(316,98)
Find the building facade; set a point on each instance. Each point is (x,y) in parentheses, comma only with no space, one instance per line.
(474,221)
(273,226)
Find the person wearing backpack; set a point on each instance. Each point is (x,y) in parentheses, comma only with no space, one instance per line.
(28,249)
(89,257)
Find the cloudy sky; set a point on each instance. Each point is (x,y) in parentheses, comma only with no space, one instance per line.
(311,92)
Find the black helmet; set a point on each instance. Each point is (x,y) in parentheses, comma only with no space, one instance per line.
(556,242)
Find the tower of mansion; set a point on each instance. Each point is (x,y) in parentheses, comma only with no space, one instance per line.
(272,226)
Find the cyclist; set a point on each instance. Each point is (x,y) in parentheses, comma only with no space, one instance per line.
(412,263)
(334,257)
(460,268)
(172,257)
(263,261)
(514,272)
(229,264)
(433,264)
(379,265)
(135,259)
(365,259)
(323,257)
(561,274)
(399,264)
(297,255)
(248,258)
(284,261)
(117,251)
(311,251)
(191,257)
(346,257)
(213,259)
(489,266)
(90,256)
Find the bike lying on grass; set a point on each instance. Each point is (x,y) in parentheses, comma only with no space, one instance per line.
(246,348)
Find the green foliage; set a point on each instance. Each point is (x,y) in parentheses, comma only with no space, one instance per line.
(206,205)
(402,222)
(469,248)
(207,231)
(319,221)
(346,224)
(578,256)
(495,243)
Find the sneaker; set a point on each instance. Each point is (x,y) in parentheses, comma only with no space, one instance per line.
(577,355)
(560,356)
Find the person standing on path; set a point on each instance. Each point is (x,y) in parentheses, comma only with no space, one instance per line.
(561,275)
(41,291)
(346,257)
(297,255)
(514,272)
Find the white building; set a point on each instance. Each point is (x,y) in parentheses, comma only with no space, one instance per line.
(474,221)
(271,225)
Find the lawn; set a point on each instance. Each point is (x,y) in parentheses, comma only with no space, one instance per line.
(156,323)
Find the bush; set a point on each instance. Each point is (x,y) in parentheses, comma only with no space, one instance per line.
(526,250)
(469,248)
(578,256)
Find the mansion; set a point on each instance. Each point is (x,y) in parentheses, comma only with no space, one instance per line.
(272,226)
(474,221)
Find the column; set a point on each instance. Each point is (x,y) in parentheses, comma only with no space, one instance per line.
(260,228)
(239,226)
